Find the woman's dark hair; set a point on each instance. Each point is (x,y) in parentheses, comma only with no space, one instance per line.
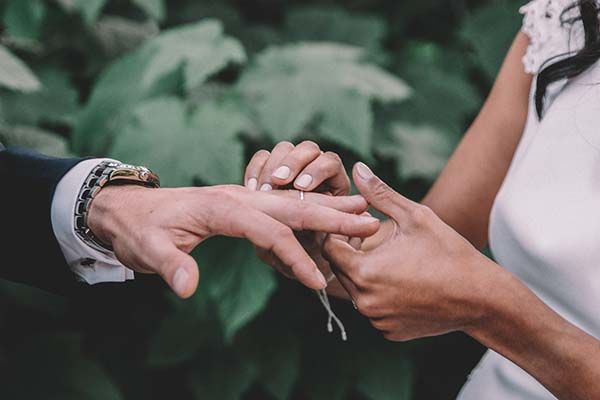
(571,66)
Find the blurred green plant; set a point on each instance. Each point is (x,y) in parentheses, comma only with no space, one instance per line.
(191,88)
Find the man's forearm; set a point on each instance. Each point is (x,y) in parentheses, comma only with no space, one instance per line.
(29,180)
(518,325)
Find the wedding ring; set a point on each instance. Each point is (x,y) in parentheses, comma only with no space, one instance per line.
(301,194)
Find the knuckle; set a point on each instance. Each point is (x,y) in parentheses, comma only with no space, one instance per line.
(382,191)
(310,145)
(420,214)
(222,194)
(262,154)
(380,324)
(394,337)
(334,157)
(284,232)
(366,306)
(362,276)
(303,211)
(284,145)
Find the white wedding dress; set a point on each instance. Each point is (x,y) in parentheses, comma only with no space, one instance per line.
(545,223)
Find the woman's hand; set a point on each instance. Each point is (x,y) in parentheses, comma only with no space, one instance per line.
(305,167)
(419,278)
(153,230)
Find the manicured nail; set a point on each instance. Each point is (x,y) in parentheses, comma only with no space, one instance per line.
(282,172)
(266,187)
(363,171)
(252,184)
(321,279)
(180,280)
(304,181)
(367,220)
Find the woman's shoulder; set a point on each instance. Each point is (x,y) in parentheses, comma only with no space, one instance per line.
(553,29)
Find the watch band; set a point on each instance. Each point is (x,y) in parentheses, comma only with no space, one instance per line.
(105,173)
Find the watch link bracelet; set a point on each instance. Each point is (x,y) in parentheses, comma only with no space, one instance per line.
(106,173)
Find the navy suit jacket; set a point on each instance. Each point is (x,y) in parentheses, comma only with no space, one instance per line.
(29,251)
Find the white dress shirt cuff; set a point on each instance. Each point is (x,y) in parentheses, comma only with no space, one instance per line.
(88,264)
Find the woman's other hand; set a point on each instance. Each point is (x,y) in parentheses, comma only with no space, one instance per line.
(304,167)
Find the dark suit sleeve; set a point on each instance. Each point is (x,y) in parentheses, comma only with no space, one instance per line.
(29,252)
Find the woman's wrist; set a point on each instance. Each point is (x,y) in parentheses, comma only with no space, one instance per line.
(515,323)
(491,300)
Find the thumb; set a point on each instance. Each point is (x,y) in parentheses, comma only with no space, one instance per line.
(177,268)
(379,194)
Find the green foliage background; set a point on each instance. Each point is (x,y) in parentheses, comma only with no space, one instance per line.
(192,88)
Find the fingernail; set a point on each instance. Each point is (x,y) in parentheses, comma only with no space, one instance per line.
(321,279)
(266,187)
(180,280)
(363,171)
(368,220)
(304,181)
(282,172)
(252,183)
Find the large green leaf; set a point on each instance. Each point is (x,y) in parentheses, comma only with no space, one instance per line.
(117,35)
(385,376)
(88,9)
(489,30)
(34,138)
(328,373)
(183,333)
(291,86)
(334,24)
(276,354)
(420,151)
(222,376)
(443,95)
(181,145)
(23,18)
(22,296)
(236,280)
(199,50)
(154,8)
(14,74)
(61,371)
(56,102)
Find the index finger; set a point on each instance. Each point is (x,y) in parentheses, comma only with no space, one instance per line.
(269,234)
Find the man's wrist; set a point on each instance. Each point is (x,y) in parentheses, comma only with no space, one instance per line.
(107,212)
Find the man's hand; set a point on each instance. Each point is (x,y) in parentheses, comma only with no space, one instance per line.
(154,230)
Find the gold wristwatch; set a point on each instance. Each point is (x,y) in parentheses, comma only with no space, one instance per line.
(107,173)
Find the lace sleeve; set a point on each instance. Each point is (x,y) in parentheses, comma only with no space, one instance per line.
(549,35)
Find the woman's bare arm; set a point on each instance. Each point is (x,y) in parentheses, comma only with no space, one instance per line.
(463,194)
